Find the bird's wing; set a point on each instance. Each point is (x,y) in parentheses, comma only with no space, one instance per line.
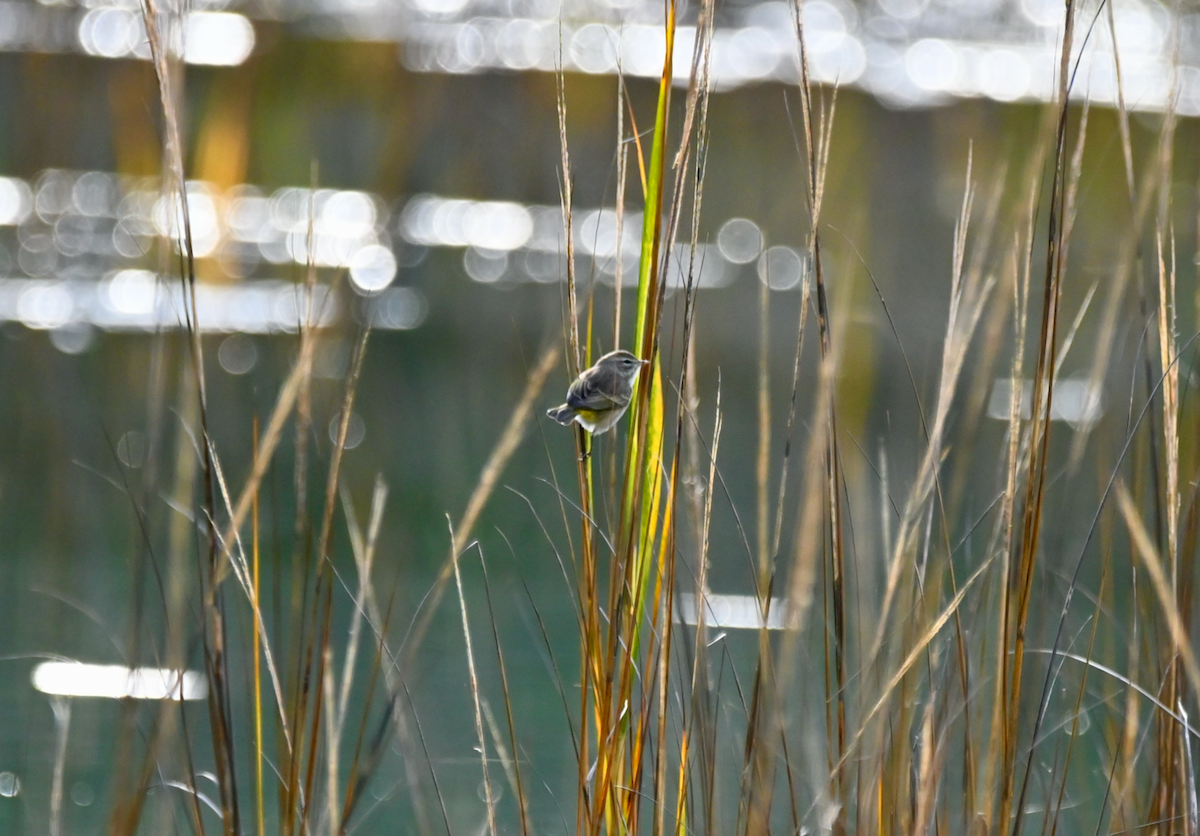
(585,394)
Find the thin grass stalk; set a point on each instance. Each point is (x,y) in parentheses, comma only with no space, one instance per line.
(619,209)
(781,494)
(183,491)
(699,654)
(217,674)
(428,761)
(593,663)
(567,186)
(364,560)
(170,76)
(1043,396)
(489,796)
(816,148)
(1172,792)
(664,603)
(653,198)
(1079,695)
(646,566)
(302,548)
(642,496)
(759,747)
(259,754)
(1020,273)
(322,610)
(1160,583)
(790,776)
(645,685)
(1127,783)
(763,462)
(1190,783)
(651,497)
(329,712)
(61,706)
(598,670)
(364,608)
(777,680)
(623,104)
(512,764)
(696,117)
(1170,801)
(696,721)
(646,321)
(1129,258)
(336,707)
(218,703)
(590,665)
(1154,186)
(243,573)
(926,778)
(308,726)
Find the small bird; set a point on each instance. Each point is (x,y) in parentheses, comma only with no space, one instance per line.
(600,395)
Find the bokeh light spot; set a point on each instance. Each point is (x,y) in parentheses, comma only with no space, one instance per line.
(372,268)
(740,240)
(781,268)
(16,201)
(356,430)
(131,449)
(237,354)
(398,309)
(220,39)
(485,266)
(10,785)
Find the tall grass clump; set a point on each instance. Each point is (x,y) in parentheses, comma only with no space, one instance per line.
(922,662)
(303,698)
(962,677)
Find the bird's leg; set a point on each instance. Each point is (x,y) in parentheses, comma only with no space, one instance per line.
(584,446)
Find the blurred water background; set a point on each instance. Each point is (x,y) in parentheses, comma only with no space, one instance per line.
(422,138)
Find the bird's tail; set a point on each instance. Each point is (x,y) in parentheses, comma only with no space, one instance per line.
(562,414)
